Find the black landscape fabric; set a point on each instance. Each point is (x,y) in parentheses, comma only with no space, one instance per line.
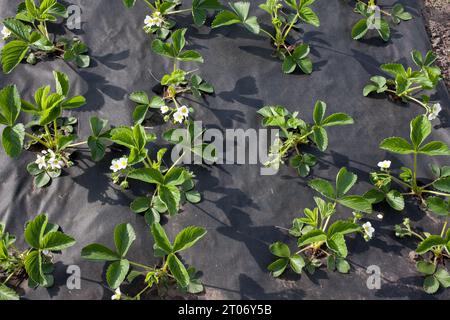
(240,208)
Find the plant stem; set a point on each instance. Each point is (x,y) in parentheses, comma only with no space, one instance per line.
(444,227)
(149,4)
(45,144)
(140,265)
(77,144)
(437,193)
(269,34)
(179,11)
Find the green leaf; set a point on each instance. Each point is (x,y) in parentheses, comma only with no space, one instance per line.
(129,3)
(420,130)
(297,263)
(140,205)
(190,55)
(395,200)
(117,272)
(289,65)
(42,179)
(337,119)
(98,252)
(124,236)
(323,187)
(360,29)
(429,243)
(178,270)
(443,277)
(225,18)
(320,138)
(187,238)
(342,265)
(357,203)
(193,196)
(34,231)
(307,15)
(148,175)
(18,29)
(385,30)
(425,267)
(435,148)
(62,83)
(337,244)
(178,40)
(374,196)
(97,148)
(397,145)
(200,7)
(319,112)
(438,206)
(33,267)
(12,54)
(280,250)
(442,184)
(7,293)
(74,102)
(344,182)
(161,239)
(431,285)
(311,237)
(170,196)
(13,139)
(56,241)
(139,97)
(278,266)
(10,104)
(342,227)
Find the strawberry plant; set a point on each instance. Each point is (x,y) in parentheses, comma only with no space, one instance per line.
(171,271)
(420,129)
(36,262)
(376,18)
(176,85)
(286,16)
(159,21)
(296,132)
(433,250)
(28,37)
(49,133)
(318,240)
(407,83)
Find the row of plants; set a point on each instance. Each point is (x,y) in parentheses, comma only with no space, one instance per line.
(29,39)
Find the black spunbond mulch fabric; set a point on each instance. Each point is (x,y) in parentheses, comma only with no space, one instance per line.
(240,208)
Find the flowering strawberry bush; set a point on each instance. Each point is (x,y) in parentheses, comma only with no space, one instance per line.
(317,240)
(296,132)
(374,19)
(159,21)
(433,250)
(171,271)
(429,194)
(175,85)
(406,83)
(48,133)
(285,16)
(172,186)
(36,262)
(29,39)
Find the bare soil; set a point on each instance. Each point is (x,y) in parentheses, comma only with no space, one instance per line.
(437,20)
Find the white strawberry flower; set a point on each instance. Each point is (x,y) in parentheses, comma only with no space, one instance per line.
(119,164)
(386,164)
(148,21)
(6,33)
(178,117)
(434,111)
(164,109)
(55,163)
(117,294)
(157,19)
(368,230)
(380,216)
(184,111)
(41,162)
